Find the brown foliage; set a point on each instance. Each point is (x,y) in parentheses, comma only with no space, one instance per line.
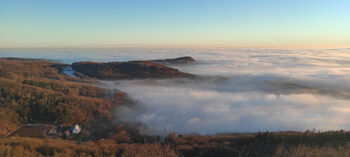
(35,90)
(20,146)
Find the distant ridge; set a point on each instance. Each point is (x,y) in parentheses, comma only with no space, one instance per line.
(180,60)
(132,69)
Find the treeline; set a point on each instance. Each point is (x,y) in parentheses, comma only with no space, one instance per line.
(264,144)
(68,88)
(307,144)
(35,147)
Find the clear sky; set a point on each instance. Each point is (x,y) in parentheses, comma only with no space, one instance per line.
(202,23)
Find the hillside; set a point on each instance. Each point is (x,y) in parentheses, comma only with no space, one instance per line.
(34,90)
(36,97)
(127,70)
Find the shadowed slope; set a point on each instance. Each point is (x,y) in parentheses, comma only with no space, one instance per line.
(127,70)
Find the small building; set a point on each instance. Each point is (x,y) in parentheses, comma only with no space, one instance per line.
(76,129)
(29,131)
(35,130)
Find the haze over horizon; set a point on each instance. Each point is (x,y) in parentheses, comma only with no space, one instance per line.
(181,23)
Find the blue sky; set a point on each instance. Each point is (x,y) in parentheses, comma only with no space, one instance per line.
(202,23)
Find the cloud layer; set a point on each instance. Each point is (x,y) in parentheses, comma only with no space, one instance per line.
(247,91)
(189,108)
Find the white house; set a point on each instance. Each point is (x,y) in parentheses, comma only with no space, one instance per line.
(76,129)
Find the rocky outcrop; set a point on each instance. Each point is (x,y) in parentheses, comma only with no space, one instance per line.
(127,70)
(180,60)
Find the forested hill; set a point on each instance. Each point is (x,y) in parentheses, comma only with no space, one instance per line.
(35,91)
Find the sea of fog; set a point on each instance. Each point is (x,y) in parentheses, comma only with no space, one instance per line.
(242,90)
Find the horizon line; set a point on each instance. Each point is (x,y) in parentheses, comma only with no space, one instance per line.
(173,46)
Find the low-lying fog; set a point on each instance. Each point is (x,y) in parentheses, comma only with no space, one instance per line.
(241,90)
